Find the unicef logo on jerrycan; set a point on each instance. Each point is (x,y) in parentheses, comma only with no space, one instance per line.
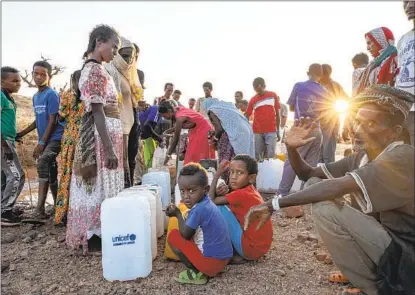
(124,240)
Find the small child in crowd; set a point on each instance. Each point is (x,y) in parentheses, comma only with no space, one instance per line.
(360,62)
(202,242)
(251,244)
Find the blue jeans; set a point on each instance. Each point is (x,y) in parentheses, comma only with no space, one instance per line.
(234,228)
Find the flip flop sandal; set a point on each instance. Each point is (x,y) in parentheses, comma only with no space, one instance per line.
(338,277)
(352,291)
(8,224)
(190,277)
(35,218)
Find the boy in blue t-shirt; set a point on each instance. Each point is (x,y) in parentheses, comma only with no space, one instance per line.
(202,242)
(46,107)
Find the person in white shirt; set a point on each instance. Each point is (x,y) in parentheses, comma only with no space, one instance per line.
(360,62)
(406,63)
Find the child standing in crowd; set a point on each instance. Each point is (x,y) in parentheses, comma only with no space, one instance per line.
(253,243)
(202,242)
(11,169)
(360,62)
(46,107)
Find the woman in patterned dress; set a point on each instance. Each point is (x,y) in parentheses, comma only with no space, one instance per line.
(98,163)
(71,110)
(233,134)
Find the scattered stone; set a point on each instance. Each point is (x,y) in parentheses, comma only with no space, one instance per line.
(41,235)
(328,260)
(294,212)
(4,265)
(280,272)
(51,242)
(29,275)
(310,270)
(8,238)
(36,290)
(31,227)
(282,224)
(27,240)
(313,238)
(309,227)
(51,288)
(321,256)
(12,267)
(302,237)
(160,267)
(307,242)
(32,234)
(24,253)
(61,239)
(316,246)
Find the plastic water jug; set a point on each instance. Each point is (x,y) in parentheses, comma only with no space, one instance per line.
(160,214)
(269,175)
(150,196)
(174,224)
(177,196)
(179,168)
(162,179)
(126,238)
(159,210)
(158,157)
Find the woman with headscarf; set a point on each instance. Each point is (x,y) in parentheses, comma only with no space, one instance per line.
(123,69)
(184,118)
(383,69)
(71,111)
(97,168)
(233,134)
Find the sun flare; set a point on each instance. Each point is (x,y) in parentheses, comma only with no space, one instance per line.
(341,106)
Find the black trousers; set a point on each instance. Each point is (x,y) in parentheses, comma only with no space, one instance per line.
(133,139)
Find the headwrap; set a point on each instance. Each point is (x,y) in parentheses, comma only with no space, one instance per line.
(234,124)
(386,60)
(385,96)
(119,67)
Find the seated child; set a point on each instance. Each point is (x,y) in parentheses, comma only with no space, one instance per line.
(251,244)
(202,242)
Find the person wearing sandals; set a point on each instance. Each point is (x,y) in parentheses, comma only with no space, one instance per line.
(98,171)
(13,178)
(376,256)
(202,241)
(46,107)
(251,244)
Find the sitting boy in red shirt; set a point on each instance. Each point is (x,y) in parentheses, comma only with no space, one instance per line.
(253,243)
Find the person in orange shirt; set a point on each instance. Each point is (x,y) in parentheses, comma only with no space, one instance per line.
(253,243)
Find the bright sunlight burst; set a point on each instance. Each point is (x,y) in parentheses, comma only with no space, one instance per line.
(341,106)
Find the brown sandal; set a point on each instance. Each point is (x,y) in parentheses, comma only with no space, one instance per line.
(352,291)
(338,277)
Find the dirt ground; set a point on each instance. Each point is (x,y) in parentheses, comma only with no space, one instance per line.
(35,260)
(39,263)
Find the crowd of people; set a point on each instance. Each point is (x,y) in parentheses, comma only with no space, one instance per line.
(106,134)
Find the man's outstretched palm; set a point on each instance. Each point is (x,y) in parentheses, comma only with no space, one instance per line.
(297,136)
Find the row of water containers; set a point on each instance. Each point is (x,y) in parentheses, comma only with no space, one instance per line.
(131,222)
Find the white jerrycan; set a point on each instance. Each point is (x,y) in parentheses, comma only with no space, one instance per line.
(126,238)
(162,179)
(160,214)
(144,192)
